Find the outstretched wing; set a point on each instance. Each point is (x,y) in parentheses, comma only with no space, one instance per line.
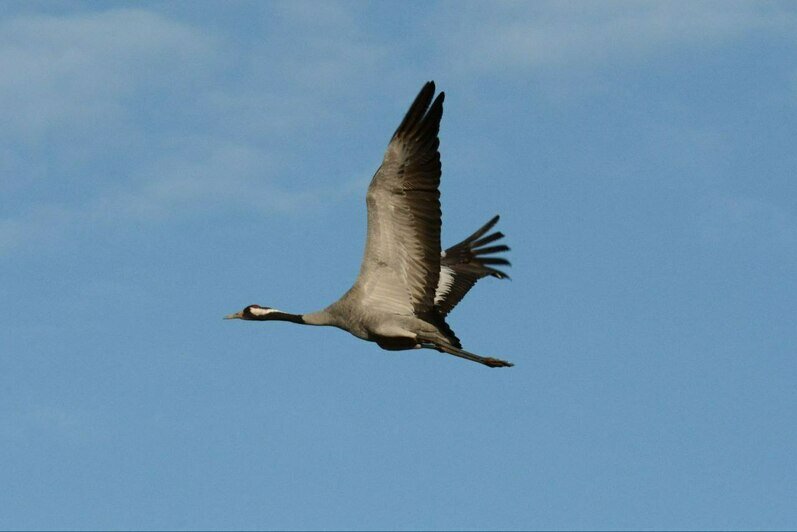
(467,262)
(401,266)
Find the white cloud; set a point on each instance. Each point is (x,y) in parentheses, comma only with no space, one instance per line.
(494,37)
(186,121)
(205,179)
(76,72)
(220,177)
(190,121)
(335,53)
(70,91)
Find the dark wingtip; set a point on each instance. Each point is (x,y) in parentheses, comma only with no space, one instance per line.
(490,224)
(502,248)
(420,109)
(495,261)
(498,274)
(483,241)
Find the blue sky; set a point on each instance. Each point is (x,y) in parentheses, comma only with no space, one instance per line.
(163,164)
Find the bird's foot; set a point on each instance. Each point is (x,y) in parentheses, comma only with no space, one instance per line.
(496,362)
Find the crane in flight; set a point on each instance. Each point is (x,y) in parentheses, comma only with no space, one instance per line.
(407,285)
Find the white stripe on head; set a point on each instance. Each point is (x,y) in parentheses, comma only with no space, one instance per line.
(261,311)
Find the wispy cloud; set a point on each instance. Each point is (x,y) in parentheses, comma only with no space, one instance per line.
(128,114)
(218,179)
(78,72)
(71,88)
(565,34)
(192,125)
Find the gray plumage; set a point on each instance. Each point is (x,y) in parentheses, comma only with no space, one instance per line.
(406,285)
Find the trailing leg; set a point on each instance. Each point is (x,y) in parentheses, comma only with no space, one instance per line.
(461,353)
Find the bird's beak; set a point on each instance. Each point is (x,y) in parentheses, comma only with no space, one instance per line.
(236,316)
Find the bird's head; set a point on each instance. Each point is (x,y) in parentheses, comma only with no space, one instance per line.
(254,312)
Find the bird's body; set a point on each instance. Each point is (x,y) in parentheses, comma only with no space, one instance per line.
(406,285)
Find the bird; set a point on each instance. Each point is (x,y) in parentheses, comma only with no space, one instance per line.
(407,284)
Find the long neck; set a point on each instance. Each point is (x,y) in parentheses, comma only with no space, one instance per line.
(284,316)
(322,317)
